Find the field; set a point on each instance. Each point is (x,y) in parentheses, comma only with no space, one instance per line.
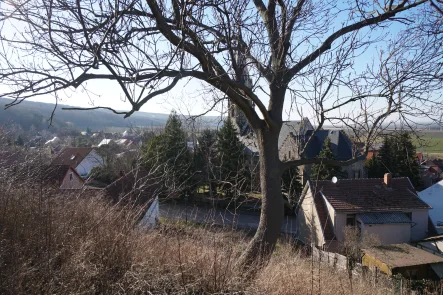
(430,143)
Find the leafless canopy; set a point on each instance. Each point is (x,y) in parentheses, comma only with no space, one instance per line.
(316,52)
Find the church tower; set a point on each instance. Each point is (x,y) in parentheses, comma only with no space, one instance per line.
(236,115)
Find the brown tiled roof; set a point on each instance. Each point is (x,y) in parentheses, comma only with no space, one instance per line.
(323,215)
(135,186)
(402,255)
(363,195)
(71,156)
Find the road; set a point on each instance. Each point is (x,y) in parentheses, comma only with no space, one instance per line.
(226,218)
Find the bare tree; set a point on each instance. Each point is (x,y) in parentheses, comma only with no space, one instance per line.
(312,54)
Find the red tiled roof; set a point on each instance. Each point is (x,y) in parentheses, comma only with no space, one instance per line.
(323,215)
(71,156)
(365,195)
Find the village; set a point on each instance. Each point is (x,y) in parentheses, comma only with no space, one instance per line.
(324,206)
(221,147)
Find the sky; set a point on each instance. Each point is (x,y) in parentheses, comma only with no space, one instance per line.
(187,97)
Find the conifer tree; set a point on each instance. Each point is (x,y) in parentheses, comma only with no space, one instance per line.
(205,157)
(396,156)
(232,173)
(322,171)
(168,156)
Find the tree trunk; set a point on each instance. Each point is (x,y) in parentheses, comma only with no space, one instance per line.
(272,211)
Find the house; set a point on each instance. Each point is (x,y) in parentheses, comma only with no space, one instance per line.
(34,172)
(379,207)
(63,177)
(81,159)
(433,196)
(410,262)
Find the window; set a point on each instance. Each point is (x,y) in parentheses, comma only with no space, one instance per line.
(70,176)
(350,220)
(289,155)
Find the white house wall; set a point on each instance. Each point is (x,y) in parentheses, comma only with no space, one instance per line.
(74,183)
(308,223)
(389,233)
(339,226)
(331,212)
(420,225)
(90,161)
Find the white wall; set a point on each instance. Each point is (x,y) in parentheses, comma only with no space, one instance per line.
(339,226)
(74,183)
(308,224)
(90,161)
(420,225)
(331,212)
(389,233)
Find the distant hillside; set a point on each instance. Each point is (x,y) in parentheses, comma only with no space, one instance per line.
(30,113)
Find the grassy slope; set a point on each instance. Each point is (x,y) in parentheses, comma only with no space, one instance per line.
(63,244)
(431,143)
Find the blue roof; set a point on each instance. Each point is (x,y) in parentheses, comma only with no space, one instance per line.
(341,146)
(384,218)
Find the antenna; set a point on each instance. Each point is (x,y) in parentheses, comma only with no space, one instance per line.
(334,179)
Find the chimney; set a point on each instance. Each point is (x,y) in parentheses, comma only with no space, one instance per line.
(388,179)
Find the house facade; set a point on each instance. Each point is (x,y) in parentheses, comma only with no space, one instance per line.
(386,208)
(64,177)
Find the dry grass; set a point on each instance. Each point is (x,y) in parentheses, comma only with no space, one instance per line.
(60,244)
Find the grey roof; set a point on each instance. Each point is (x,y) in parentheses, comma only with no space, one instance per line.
(286,129)
(384,218)
(340,144)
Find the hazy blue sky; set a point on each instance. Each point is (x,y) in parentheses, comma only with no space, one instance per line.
(187,97)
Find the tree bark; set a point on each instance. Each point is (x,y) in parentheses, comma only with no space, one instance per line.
(263,243)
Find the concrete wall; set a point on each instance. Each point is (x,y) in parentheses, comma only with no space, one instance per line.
(90,161)
(308,223)
(419,228)
(74,183)
(389,233)
(289,149)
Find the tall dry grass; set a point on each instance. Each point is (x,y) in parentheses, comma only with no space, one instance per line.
(55,243)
